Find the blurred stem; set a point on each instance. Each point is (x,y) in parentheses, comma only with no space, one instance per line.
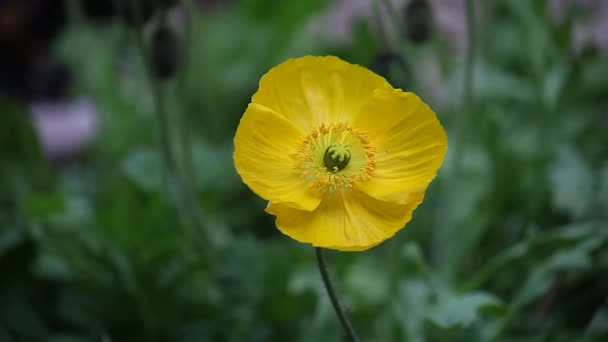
(470,59)
(380,32)
(186,205)
(393,13)
(494,265)
(467,111)
(348,328)
(185,129)
(159,103)
(462,124)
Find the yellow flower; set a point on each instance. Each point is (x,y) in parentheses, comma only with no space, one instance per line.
(342,157)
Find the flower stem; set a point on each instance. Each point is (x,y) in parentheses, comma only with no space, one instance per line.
(185,127)
(393,13)
(442,232)
(382,35)
(462,125)
(470,58)
(193,223)
(348,328)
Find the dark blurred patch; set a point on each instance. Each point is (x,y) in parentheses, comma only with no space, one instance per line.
(99,9)
(418,16)
(48,78)
(164,52)
(26,30)
(29,27)
(134,12)
(393,67)
(166,4)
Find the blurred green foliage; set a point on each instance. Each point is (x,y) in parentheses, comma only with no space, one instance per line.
(510,243)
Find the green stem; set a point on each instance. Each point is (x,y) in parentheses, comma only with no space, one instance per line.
(471,51)
(159,104)
(348,328)
(187,209)
(442,234)
(393,13)
(383,39)
(495,264)
(185,127)
(467,104)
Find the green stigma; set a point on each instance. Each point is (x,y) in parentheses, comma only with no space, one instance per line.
(336,157)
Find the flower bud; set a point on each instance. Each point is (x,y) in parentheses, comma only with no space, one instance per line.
(418,17)
(164,52)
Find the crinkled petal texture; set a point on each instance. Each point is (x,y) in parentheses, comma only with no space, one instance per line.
(405,147)
(311,91)
(263,144)
(410,144)
(345,220)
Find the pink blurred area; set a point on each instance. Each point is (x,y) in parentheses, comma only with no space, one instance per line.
(338,20)
(592,29)
(64,128)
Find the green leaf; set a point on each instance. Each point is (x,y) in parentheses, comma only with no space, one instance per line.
(368,283)
(284,15)
(459,311)
(413,258)
(602,190)
(593,79)
(573,258)
(493,82)
(44,204)
(553,85)
(571,182)
(214,167)
(9,239)
(597,330)
(411,304)
(143,167)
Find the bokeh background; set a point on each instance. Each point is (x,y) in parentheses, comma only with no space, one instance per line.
(122,217)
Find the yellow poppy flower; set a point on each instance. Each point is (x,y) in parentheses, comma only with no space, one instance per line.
(342,157)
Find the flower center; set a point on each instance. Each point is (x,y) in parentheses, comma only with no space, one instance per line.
(336,157)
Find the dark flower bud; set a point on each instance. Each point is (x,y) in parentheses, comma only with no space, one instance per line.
(393,67)
(418,17)
(164,52)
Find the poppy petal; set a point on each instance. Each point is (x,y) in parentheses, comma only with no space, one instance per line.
(264,145)
(410,144)
(345,220)
(312,90)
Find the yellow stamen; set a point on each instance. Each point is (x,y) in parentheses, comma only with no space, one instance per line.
(335,156)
